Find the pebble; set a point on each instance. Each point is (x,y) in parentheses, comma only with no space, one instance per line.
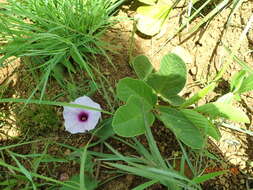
(67,152)
(193,70)
(64,176)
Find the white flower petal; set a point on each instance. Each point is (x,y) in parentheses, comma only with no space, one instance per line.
(86,101)
(95,118)
(70,126)
(76,129)
(70,115)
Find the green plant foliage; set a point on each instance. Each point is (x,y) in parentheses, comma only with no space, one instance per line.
(174,100)
(223,110)
(28,178)
(227,98)
(182,127)
(145,185)
(247,84)
(237,80)
(142,66)
(202,123)
(206,177)
(106,130)
(55,34)
(188,125)
(240,83)
(89,182)
(128,87)
(59,37)
(42,120)
(147,164)
(52,103)
(151,18)
(129,120)
(24,175)
(171,77)
(8,184)
(155,14)
(166,177)
(199,95)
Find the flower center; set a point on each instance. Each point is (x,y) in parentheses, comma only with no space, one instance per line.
(83,116)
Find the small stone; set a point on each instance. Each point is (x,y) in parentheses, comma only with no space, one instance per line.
(64,176)
(234,161)
(227,154)
(67,152)
(193,70)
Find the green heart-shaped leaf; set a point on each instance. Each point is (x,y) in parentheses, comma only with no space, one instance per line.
(142,66)
(130,120)
(171,77)
(128,87)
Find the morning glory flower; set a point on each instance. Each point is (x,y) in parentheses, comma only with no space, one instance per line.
(79,120)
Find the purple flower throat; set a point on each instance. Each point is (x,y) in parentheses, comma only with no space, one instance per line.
(83,116)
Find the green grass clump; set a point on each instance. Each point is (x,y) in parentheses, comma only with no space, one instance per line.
(43,120)
(56,34)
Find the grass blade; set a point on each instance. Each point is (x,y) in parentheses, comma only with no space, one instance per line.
(82,167)
(145,185)
(23,169)
(53,103)
(16,145)
(2,163)
(206,177)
